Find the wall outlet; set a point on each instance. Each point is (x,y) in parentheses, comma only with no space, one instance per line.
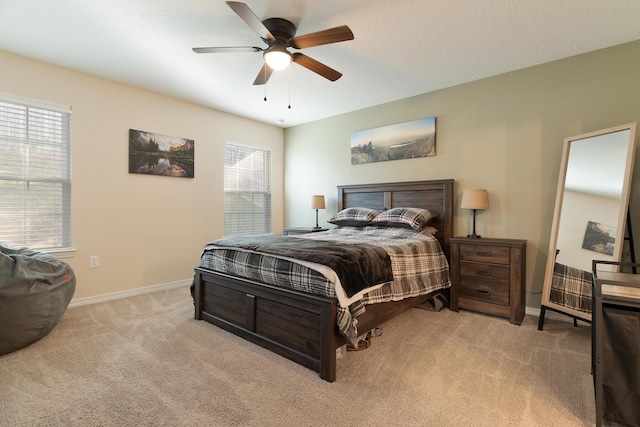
(94,261)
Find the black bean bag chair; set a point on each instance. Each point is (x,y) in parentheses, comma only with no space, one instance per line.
(35,290)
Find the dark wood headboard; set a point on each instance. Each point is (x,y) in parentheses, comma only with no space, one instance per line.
(436,196)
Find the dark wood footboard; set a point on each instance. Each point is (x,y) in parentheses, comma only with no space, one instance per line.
(301,327)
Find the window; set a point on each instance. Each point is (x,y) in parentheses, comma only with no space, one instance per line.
(247,189)
(35,174)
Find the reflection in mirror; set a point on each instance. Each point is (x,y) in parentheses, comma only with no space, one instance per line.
(589,217)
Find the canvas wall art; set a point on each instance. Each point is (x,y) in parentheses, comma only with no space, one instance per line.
(155,154)
(599,238)
(407,140)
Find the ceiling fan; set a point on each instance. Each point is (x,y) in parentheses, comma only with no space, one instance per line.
(279,34)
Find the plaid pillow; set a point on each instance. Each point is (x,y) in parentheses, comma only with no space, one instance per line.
(415,218)
(354,217)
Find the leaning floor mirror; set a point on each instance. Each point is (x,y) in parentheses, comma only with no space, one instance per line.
(590,216)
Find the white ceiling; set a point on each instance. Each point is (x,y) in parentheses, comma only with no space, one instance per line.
(402,48)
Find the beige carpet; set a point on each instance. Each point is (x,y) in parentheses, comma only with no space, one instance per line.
(144,361)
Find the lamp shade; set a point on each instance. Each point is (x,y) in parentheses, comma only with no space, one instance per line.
(317,202)
(475,198)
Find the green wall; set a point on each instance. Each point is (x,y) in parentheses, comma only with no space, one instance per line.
(503,133)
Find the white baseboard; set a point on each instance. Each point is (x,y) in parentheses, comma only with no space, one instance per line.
(128,293)
(532,311)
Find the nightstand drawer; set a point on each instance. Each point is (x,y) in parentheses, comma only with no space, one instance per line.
(482,290)
(482,271)
(485,282)
(485,253)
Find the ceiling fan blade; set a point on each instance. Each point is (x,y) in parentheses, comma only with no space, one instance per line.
(226,49)
(332,35)
(263,75)
(316,67)
(250,18)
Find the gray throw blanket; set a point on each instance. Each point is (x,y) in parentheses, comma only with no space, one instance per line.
(358,266)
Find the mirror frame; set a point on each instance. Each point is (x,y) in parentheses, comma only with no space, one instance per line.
(622,213)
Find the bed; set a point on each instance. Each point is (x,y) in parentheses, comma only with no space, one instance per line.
(304,326)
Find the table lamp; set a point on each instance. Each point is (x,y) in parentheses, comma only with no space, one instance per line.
(474,199)
(317,202)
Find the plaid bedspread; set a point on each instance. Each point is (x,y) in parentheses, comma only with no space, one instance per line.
(417,261)
(357,264)
(571,287)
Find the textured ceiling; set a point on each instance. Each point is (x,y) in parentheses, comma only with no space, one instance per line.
(401,48)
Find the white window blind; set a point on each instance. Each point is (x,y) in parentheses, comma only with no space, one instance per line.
(247,189)
(35,174)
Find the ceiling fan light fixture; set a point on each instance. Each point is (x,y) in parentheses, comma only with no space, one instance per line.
(277,58)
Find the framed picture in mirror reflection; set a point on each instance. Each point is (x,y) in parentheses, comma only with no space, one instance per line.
(599,238)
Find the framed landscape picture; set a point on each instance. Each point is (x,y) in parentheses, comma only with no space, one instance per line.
(155,154)
(407,140)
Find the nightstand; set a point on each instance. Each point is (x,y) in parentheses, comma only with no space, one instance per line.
(301,230)
(489,276)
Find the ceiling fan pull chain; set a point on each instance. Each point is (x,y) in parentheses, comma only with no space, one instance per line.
(265,84)
(289,88)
